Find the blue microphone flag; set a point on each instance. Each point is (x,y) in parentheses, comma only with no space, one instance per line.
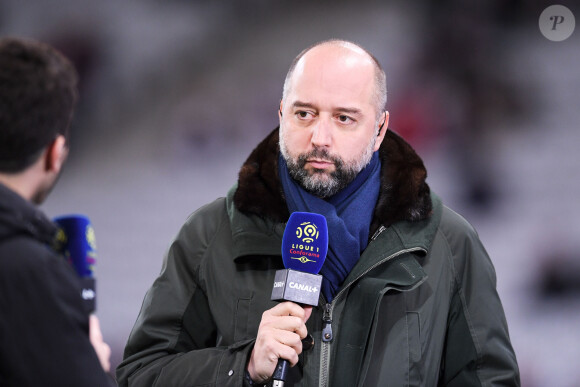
(305,242)
(75,240)
(304,248)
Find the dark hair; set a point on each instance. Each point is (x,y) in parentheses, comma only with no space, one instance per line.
(38,93)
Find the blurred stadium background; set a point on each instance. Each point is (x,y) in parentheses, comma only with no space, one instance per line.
(175,95)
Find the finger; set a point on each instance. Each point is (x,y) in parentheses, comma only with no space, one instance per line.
(287,323)
(269,337)
(272,346)
(290,355)
(287,352)
(279,317)
(288,308)
(105,360)
(290,339)
(95,333)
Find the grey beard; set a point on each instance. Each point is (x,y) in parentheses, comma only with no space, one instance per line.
(319,183)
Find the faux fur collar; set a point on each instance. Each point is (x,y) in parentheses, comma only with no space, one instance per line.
(404,193)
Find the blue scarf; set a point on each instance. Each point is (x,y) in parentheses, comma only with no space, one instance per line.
(348,213)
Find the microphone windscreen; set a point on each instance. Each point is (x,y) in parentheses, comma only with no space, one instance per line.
(76,241)
(305,242)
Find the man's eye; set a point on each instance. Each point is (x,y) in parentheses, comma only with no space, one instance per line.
(344,119)
(302,114)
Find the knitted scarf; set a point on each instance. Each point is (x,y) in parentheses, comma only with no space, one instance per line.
(348,215)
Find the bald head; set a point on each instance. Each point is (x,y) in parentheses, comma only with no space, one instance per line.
(348,55)
(330,115)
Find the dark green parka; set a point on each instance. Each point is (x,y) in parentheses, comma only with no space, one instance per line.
(420,308)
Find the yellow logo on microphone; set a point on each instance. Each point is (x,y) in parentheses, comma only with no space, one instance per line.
(90,235)
(307,232)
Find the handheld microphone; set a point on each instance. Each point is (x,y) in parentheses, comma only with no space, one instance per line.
(76,241)
(304,248)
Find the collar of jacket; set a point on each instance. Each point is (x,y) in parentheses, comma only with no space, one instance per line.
(404,193)
(20,217)
(401,237)
(258,209)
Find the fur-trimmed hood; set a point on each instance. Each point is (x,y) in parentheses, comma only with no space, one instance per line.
(404,193)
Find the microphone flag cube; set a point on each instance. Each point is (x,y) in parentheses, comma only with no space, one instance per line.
(304,248)
(296,286)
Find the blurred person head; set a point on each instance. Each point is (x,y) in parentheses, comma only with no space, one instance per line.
(38,93)
(331,115)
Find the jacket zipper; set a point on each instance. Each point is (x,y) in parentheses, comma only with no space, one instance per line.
(327,335)
(377,233)
(326,340)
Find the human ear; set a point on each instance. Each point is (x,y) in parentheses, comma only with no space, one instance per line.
(56,154)
(382,131)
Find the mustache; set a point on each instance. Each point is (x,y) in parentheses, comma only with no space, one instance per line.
(319,153)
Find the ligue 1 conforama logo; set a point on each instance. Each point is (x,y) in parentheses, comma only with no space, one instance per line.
(307,232)
(305,242)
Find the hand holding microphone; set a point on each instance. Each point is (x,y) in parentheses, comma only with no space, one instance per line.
(279,337)
(282,329)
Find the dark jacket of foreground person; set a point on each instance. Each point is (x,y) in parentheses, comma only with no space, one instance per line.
(44,326)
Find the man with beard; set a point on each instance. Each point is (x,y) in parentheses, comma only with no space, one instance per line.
(46,336)
(408,295)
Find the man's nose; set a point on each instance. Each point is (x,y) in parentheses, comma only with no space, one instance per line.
(322,133)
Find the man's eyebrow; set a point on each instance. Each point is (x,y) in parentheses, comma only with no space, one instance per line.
(350,110)
(300,104)
(354,111)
